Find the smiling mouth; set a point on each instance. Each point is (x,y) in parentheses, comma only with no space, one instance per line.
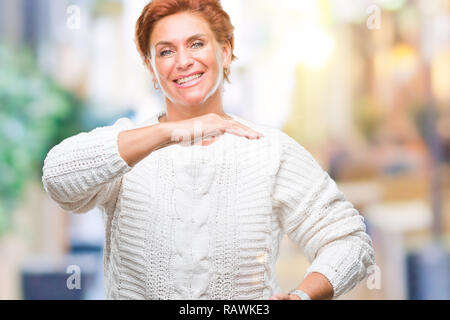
(188,80)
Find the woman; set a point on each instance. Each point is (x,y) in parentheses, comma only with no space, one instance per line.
(196,201)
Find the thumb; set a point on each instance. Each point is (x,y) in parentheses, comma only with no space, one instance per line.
(280,296)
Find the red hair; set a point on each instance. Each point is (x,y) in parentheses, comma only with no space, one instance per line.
(210,10)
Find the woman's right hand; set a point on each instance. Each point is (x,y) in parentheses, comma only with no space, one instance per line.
(206,128)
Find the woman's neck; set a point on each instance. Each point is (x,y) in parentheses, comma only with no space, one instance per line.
(176,112)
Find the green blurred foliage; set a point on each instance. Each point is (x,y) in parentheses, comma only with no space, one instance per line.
(35,114)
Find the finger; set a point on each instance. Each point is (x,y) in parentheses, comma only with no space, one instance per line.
(209,138)
(236,131)
(294,297)
(277,296)
(241,133)
(247,131)
(282,296)
(211,135)
(227,117)
(240,125)
(243,127)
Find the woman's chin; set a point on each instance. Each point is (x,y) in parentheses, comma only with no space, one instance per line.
(192,99)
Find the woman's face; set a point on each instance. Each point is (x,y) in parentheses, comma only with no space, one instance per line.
(186,59)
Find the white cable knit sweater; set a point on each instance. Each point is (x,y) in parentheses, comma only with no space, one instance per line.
(206,222)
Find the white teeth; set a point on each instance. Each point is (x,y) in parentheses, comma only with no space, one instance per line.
(184,80)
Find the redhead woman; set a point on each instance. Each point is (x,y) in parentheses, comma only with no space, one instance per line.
(195,200)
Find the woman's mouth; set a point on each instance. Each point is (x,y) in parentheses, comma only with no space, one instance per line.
(190,81)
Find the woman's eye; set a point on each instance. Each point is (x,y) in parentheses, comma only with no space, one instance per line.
(164,53)
(197,44)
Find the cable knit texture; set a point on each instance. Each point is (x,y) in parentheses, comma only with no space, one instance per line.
(206,222)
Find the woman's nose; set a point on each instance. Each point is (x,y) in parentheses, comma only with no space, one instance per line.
(184,59)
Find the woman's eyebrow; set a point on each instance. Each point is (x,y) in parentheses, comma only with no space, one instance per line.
(168,43)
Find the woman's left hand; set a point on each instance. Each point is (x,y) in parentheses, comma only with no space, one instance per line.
(284,296)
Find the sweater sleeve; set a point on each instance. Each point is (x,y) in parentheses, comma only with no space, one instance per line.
(316,215)
(85,170)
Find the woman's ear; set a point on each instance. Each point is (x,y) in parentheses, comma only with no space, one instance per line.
(150,68)
(152,72)
(226,54)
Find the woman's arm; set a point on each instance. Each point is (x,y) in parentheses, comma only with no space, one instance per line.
(316,215)
(136,144)
(85,170)
(315,285)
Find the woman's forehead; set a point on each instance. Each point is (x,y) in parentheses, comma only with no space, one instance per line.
(179,28)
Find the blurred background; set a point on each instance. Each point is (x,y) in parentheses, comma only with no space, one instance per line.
(363,85)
